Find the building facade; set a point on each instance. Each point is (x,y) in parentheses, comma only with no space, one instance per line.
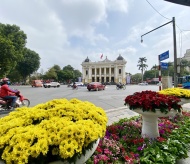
(104,71)
(187,55)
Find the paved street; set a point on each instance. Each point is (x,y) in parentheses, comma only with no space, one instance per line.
(108,99)
(111,100)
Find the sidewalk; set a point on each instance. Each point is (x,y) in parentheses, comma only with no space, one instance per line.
(114,115)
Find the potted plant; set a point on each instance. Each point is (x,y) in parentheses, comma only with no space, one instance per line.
(58,130)
(151,105)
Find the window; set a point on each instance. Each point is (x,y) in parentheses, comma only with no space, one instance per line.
(119,71)
(86,72)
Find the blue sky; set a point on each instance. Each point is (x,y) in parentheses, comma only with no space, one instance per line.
(65,32)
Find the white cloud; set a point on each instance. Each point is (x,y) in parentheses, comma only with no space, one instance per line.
(67,31)
(115,5)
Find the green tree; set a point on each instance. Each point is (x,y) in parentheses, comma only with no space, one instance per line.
(69,73)
(136,78)
(68,67)
(155,68)
(183,65)
(51,75)
(169,71)
(57,68)
(77,74)
(29,64)
(8,57)
(12,43)
(142,66)
(14,76)
(149,74)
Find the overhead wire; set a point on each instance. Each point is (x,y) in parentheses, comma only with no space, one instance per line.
(175,24)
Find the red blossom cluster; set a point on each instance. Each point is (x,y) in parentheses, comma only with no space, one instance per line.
(151,100)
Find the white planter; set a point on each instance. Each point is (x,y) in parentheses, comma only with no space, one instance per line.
(80,160)
(150,122)
(184,101)
(83,158)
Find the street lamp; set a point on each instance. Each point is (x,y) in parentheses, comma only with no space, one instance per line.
(174,44)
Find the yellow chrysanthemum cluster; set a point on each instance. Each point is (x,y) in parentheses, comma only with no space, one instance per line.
(68,126)
(178,92)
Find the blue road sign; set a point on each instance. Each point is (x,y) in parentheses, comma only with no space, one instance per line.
(164,55)
(164,65)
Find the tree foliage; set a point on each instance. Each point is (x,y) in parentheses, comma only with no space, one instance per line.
(136,78)
(67,74)
(142,66)
(12,43)
(29,64)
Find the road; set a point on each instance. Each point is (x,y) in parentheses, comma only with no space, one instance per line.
(109,98)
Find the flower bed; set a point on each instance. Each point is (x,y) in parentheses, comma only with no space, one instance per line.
(123,143)
(57,130)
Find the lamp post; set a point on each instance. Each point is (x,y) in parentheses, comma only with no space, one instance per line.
(174,44)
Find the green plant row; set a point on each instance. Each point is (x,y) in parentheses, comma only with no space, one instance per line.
(167,149)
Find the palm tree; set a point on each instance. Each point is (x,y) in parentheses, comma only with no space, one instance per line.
(142,66)
(155,68)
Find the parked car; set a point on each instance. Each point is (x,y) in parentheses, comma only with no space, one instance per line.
(37,83)
(95,86)
(144,83)
(51,84)
(77,83)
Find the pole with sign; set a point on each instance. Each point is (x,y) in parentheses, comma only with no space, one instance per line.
(161,57)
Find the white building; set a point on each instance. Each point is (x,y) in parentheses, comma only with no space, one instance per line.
(104,71)
(187,55)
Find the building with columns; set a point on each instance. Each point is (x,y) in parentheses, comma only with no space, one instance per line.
(104,71)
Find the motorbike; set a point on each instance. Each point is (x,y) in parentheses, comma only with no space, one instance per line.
(74,86)
(20,102)
(120,86)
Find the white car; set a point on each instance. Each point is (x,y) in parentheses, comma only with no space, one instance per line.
(143,83)
(77,83)
(51,84)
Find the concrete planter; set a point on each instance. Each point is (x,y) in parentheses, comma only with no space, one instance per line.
(150,122)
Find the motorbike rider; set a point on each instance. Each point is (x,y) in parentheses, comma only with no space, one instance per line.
(74,85)
(7,93)
(120,85)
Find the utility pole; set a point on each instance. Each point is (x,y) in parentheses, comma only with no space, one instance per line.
(175,53)
(174,44)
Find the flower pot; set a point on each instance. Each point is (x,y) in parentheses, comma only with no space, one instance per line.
(184,101)
(150,122)
(83,158)
(80,160)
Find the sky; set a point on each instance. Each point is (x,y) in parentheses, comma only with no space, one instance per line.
(66,32)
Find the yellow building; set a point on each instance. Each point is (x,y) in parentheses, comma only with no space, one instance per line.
(104,71)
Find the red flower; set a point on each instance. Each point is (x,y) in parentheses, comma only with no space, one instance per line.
(151,100)
(160,139)
(98,149)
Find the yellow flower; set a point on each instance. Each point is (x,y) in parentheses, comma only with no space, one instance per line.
(178,92)
(68,126)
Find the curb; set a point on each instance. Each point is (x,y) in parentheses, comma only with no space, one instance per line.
(114,115)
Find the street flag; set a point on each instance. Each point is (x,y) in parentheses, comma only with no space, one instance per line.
(101,56)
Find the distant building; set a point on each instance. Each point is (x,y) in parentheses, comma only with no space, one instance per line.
(187,55)
(104,71)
